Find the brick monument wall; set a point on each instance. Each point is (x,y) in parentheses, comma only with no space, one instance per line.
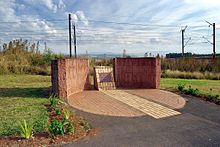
(137,72)
(69,76)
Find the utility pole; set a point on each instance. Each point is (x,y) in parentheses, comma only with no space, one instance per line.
(74,29)
(70,38)
(45,46)
(214,54)
(213,38)
(183,43)
(124,53)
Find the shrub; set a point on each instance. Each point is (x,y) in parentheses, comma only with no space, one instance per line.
(26,129)
(180,86)
(192,91)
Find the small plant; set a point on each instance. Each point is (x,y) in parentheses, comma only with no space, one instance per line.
(180,87)
(56,128)
(53,101)
(26,129)
(86,126)
(66,114)
(69,128)
(58,111)
(60,128)
(192,91)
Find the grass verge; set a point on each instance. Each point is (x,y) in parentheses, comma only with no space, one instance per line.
(202,85)
(23,97)
(206,89)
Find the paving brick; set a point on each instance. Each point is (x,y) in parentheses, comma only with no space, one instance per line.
(150,108)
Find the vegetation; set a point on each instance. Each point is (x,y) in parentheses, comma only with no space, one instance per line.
(202,85)
(22,57)
(195,92)
(60,127)
(53,101)
(57,126)
(22,97)
(190,68)
(26,129)
(207,93)
(190,75)
(191,64)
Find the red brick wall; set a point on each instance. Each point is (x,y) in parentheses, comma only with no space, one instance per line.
(137,72)
(69,76)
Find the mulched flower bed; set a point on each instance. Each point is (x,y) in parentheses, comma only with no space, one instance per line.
(82,129)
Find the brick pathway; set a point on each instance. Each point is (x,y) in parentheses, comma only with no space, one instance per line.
(150,108)
(128,103)
(166,98)
(99,103)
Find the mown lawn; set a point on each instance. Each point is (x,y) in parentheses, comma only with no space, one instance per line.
(202,85)
(23,97)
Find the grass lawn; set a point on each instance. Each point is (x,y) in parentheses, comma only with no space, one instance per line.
(202,85)
(23,97)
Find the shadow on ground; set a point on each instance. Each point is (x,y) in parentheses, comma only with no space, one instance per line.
(25,92)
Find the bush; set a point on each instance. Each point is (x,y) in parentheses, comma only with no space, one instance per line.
(192,91)
(26,129)
(180,87)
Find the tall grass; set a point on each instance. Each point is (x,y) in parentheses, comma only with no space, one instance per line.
(190,75)
(22,57)
(191,64)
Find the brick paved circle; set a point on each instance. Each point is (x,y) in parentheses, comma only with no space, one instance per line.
(110,104)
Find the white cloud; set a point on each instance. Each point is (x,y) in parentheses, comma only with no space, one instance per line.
(79,16)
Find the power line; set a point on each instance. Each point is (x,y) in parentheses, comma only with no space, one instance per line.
(126,23)
(34,30)
(26,21)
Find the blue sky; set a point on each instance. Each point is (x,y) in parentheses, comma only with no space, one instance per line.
(103,26)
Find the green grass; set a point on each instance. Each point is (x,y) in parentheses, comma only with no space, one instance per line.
(23,97)
(202,85)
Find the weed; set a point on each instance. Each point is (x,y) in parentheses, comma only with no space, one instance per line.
(26,129)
